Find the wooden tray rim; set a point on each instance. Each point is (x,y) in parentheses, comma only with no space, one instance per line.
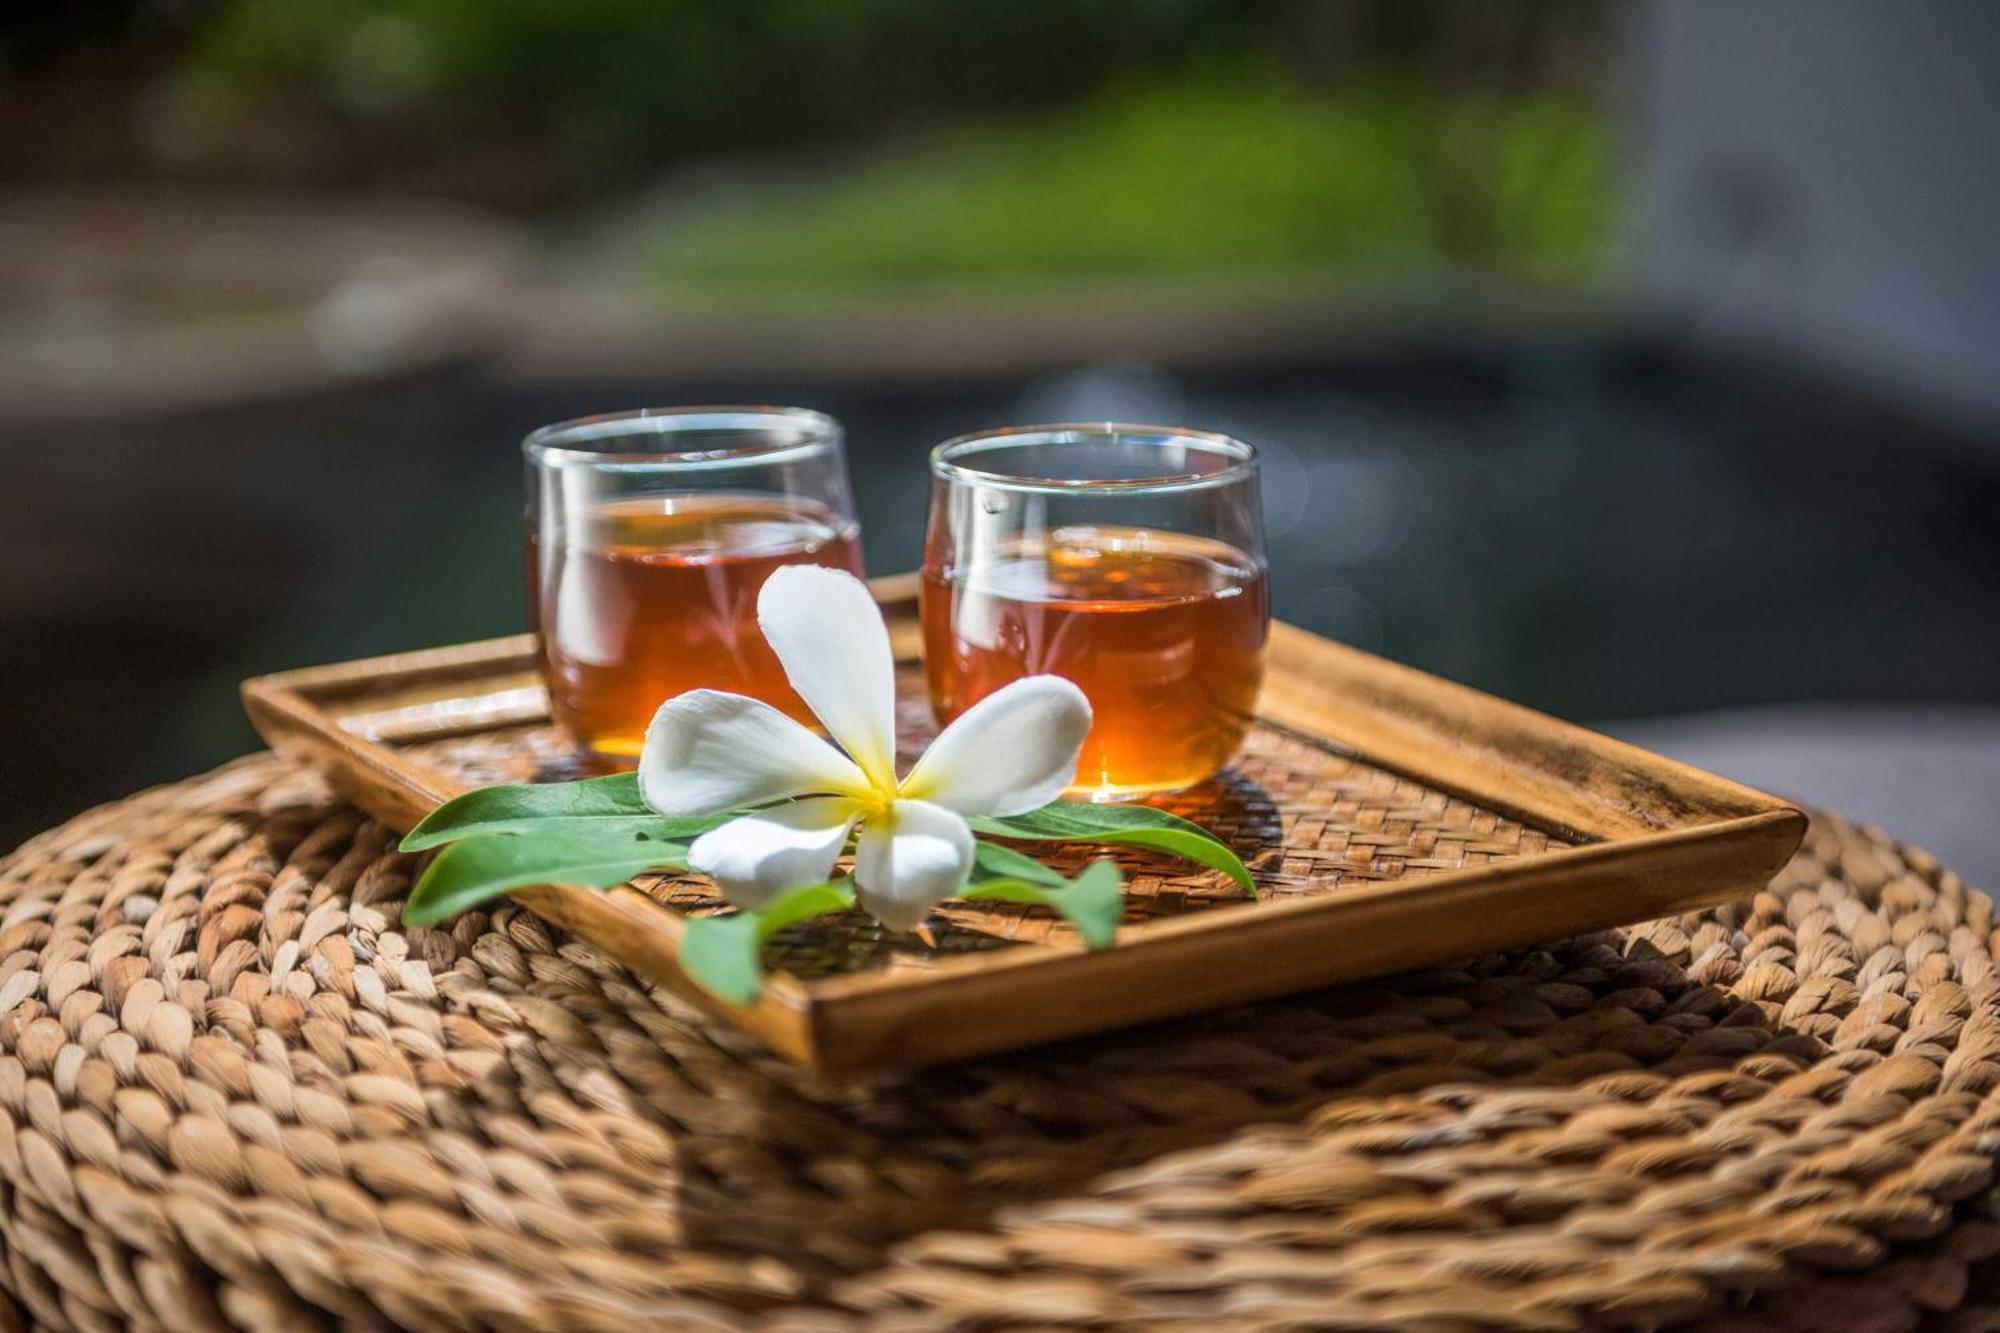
(1628,810)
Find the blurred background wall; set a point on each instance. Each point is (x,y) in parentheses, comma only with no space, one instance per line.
(1814,189)
(1635,360)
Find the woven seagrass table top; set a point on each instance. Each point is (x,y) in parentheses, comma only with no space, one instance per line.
(237,1092)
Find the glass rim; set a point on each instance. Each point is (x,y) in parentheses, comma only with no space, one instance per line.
(551,445)
(1240,467)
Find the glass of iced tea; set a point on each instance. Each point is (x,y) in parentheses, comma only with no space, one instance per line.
(649,534)
(1127,558)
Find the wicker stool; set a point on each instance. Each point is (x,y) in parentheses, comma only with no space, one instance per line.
(236,1092)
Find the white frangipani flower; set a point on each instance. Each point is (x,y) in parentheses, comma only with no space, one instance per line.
(708,752)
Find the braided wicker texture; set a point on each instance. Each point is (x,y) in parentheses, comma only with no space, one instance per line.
(1307,818)
(236,1092)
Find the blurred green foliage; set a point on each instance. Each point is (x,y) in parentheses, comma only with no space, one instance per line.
(918,141)
(660,79)
(1207,178)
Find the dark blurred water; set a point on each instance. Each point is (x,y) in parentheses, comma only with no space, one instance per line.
(1597,532)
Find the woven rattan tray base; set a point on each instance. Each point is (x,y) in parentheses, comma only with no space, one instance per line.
(235,1093)
(1391,819)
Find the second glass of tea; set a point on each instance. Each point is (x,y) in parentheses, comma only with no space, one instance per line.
(1129,559)
(649,535)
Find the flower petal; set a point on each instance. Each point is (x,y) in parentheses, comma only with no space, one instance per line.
(828,632)
(910,859)
(759,856)
(1012,752)
(707,752)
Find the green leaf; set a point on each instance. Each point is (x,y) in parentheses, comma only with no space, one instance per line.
(477,869)
(1005,863)
(609,807)
(1127,825)
(724,954)
(1093,902)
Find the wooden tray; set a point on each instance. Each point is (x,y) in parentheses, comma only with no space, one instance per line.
(1392,820)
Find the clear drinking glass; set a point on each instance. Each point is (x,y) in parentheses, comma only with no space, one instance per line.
(649,535)
(1127,558)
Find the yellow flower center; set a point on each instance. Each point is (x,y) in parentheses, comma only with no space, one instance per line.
(876,802)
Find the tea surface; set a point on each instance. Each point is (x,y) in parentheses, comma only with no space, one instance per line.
(1165,633)
(652,597)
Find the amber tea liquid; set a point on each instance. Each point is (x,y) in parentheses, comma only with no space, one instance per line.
(647,598)
(1164,633)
